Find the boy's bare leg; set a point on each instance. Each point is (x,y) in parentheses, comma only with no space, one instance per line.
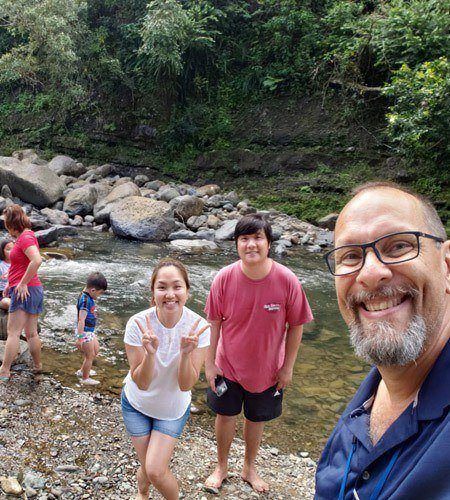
(89,354)
(253,432)
(225,427)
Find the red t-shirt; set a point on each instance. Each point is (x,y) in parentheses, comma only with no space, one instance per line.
(254,314)
(19,260)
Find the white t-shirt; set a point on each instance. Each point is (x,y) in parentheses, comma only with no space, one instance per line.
(163,399)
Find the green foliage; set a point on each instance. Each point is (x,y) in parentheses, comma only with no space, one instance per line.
(42,41)
(420,115)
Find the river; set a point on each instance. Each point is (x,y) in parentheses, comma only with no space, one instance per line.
(326,373)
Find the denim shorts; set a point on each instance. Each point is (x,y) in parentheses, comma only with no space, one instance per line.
(138,424)
(33,304)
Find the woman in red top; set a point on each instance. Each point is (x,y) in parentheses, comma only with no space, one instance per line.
(24,288)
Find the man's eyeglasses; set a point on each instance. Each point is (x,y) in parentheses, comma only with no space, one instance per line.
(390,249)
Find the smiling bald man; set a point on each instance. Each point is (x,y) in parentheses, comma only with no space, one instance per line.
(391,263)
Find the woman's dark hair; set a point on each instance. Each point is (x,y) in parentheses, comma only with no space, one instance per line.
(251,224)
(97,281)
(16,219)
(3,244)
(167,262)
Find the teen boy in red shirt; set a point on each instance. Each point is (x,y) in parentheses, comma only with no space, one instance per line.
(256,308)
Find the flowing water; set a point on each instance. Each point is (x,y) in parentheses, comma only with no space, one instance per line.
(326,372)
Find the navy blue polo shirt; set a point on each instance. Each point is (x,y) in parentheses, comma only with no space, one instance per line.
(415,448)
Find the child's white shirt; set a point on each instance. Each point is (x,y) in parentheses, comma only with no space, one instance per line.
(163,399)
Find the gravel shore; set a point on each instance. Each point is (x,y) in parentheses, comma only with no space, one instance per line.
(57,442)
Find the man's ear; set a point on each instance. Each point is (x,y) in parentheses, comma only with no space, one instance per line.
(446,250)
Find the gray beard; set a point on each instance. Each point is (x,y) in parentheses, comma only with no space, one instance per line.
(383,345)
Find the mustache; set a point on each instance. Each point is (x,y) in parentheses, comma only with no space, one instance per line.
(384,292)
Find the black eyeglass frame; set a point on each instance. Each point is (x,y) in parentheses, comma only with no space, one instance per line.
(372,244)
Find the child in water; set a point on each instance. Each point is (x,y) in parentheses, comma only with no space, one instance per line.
(87,341)
(6,246)
(166,348)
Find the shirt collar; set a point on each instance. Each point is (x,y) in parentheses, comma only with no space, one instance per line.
(434,395)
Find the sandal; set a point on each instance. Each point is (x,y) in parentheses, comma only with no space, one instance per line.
(4,379)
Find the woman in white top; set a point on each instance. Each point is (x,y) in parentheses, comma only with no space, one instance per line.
(166,347)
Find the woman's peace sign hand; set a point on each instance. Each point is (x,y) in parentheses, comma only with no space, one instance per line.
(150,341)
(189,343)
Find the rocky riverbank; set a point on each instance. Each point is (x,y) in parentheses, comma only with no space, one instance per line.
(56,442)
(63,194)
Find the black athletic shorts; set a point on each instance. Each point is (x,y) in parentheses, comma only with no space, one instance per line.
(258,406)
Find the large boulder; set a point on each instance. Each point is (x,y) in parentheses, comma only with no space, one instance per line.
(142,219)
(104,206)
(118,193)
(65,165)
(35,184)
(226,231)
(81,201)
(186,206)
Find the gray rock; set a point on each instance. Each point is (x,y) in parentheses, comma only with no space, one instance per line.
(89,218)
(67,468)
(31,480)
(226,231)
(3,204)
(102,209)
(104,170)
(35,184)
(195,222)
(64,165)
(140,180)
(280,250)
(123,180)
(206,234)
(183,234)
(39,222)
(103,189)
(232,197)
(215,201)
(228,207)
(247,209)
(10,485)
(168,194)
(208,190)
(324,238)
(46,236)
(314,248)
(193,245)
(26,154)
(155,185)
(101,228)
(186,206)
(55,216)
(328,222)
(81,201)
(142,219)
(23,357)
(213,222)
(6,192)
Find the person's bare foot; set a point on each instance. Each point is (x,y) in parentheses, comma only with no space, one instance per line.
(216,479)
(143,486)
(250,476)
